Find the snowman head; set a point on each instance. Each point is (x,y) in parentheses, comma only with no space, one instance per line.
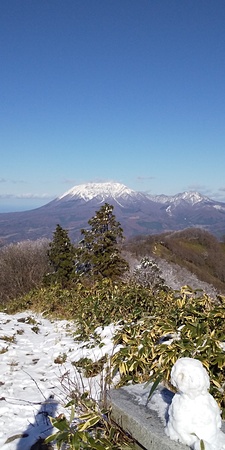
(190,377)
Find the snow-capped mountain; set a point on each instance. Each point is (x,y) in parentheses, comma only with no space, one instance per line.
(118,192)
(92,190)
(189,197)
(101,192)
(138,213)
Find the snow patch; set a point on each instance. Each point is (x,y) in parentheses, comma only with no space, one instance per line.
(219,207)
(32,384)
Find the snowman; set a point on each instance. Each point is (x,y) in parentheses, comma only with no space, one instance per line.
(194,416)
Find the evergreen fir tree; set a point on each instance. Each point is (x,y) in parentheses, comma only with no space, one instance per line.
(61,256)
(100,253)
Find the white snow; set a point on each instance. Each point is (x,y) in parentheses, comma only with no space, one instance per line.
(91,190)
(32,384)
(168,210)
(189,197)
(118,191)
(194,414)
(192,197)
(219,207)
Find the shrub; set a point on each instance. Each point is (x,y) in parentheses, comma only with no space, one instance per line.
(88,428)
(148,274)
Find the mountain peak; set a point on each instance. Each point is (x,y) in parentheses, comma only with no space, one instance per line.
(191,197)
(104,190)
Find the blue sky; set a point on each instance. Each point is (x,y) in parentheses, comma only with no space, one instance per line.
(131,91)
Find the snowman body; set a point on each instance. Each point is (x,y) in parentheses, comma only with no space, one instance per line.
(194,415)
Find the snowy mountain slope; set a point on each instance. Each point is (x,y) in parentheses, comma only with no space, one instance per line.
(102,192)
(118,191)
(92,190)
(189,197)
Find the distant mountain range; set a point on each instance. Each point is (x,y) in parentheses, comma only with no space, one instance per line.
(137,212)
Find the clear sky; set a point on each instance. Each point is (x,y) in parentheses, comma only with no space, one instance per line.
(131,91)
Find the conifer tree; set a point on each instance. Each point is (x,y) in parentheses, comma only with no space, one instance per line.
(61,256)
(100,254)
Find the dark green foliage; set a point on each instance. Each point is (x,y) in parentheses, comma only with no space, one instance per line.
(61,256)
(100,254)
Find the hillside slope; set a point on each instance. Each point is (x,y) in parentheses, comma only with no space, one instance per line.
(184,255)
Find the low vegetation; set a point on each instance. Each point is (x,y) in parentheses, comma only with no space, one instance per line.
(154,329)
(93,431)
(156,325)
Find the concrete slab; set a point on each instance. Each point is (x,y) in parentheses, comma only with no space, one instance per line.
(142,423)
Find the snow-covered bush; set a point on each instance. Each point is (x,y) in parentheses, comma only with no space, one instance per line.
(148,274)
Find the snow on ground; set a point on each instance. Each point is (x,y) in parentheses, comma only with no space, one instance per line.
(32,384)
(37,375)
